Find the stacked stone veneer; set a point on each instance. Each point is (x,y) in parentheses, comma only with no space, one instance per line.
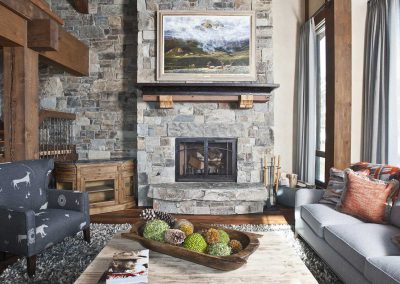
(105,101)
(158,128)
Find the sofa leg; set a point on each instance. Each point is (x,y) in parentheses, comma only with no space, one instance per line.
(31,265)
(86,234)
(296,235)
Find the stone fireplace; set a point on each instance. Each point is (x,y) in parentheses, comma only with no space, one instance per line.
(179,175)
(205,159)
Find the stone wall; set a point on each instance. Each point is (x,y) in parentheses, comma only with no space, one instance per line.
(105,102)
(157,129)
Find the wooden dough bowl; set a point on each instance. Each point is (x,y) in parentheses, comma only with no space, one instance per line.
(249,242)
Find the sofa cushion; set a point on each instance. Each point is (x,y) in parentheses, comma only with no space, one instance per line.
(356,242)
(53,225)
(23,184)
(317,216)
(383,270)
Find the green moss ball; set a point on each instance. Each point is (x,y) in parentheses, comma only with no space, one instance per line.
(219,249)
(155,230)
(223,237)
(195,242)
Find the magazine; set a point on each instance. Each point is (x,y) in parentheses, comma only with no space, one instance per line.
(128,267)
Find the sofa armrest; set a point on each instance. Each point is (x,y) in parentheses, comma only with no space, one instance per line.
(68,200)
(303,197)
(18,231)
(308,196)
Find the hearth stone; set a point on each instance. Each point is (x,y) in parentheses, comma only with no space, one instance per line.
(208,198)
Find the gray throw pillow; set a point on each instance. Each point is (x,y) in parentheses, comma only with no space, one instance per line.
(335,187)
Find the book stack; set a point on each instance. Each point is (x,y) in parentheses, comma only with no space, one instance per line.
(128,267)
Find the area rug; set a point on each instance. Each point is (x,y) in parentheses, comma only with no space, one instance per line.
(64,262)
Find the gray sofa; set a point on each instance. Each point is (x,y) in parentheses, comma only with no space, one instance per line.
(357,252)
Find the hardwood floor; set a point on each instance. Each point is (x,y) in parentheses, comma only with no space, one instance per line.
(283,215)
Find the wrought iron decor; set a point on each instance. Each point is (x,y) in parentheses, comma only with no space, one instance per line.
(56,136)
(205,159)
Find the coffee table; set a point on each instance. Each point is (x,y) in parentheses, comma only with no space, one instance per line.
(275,261)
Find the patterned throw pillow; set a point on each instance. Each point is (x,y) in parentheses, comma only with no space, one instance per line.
(378,171)
(335,187)
(366,198)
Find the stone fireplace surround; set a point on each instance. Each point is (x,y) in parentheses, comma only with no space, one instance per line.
(157,129)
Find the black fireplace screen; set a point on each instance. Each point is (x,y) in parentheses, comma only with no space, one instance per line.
(205,159)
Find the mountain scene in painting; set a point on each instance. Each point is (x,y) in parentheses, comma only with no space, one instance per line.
(207,44)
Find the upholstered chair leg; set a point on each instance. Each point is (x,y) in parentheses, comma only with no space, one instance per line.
(2,256)
(86,234)
(31,264)
(296,235)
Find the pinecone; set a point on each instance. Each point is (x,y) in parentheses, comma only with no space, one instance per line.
(174,236)
(165,217)
(150,214)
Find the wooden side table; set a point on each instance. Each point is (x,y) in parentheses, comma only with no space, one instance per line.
(110,184)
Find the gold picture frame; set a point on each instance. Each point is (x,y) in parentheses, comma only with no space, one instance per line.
(206,46)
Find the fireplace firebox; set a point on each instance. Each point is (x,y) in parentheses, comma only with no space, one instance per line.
(205,159)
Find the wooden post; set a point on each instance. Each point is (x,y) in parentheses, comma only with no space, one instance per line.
(21,103)
(338,85)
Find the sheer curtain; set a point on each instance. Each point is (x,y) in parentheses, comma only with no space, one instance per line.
(381,119)
(394,83)
(305,100)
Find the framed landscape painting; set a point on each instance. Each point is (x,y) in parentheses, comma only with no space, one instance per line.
(206,46)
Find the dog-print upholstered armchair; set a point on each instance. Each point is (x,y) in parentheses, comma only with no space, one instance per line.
(33,217)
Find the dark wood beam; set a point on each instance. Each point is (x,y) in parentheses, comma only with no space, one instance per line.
(338,85)
(12,28)
(306,9)
(82,6)
(46,113)
(72,55)
(31,11)
(43,35)
(21,103)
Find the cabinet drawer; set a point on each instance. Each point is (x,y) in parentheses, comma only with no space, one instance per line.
(99,170)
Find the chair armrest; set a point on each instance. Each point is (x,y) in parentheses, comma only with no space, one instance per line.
(308,196)
(68,200)
(17,234)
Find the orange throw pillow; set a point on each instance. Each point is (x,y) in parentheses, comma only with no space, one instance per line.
(366,198)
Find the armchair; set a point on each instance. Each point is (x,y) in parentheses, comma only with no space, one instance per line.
(33,217)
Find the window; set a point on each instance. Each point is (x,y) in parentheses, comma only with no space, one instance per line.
(321,105)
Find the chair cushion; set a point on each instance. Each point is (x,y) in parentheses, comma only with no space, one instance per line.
(53,225)
(24,184)
(356,242)
(384,269)
(317,216)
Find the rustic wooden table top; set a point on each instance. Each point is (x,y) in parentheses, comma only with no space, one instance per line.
(275,261)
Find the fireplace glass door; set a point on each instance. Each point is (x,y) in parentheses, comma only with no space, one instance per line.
(205,159)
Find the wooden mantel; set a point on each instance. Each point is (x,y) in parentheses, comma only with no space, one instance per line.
(243,93)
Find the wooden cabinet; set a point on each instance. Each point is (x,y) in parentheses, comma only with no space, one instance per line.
(110,184)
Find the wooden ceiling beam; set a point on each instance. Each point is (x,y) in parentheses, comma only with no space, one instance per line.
(31,9)
(43,35)
(81,6)
(72,55)
(15,36)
